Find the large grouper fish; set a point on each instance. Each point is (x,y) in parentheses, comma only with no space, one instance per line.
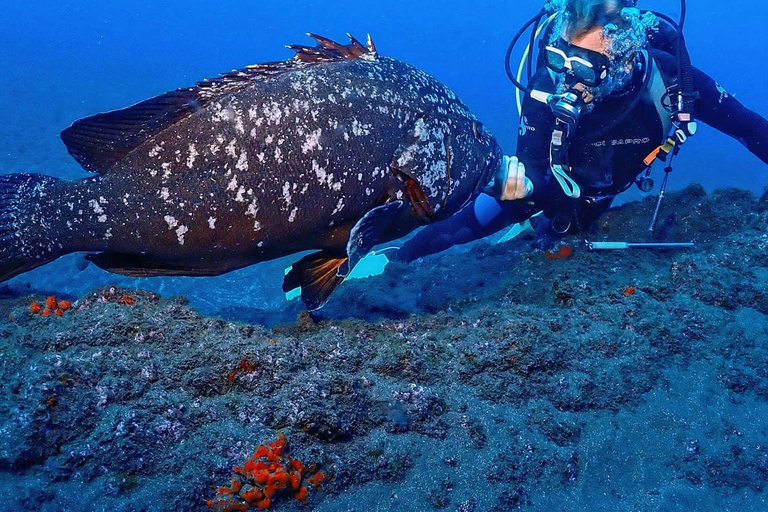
(335,150)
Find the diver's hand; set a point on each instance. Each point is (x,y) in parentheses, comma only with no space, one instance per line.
(510,182)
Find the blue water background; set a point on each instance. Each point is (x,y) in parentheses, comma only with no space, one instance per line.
(62,61)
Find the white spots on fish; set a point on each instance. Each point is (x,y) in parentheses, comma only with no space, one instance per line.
(420,130)
(339,206)
(272,113)
(108,234)
(96,205)
(166,166)
(223,114)
(155,151)
(193,154)
(125,199)
(254,133)
(242,162)
(322,176)
(279,155)
(261,156)
(269,139)
(253,209)
(180,232)
(178,156)
(312,142)
(232,184)
(359,176)
(292,216)
(165,193)
(214,148)
(239,126)
(287,193)
(240,197)
(232,148)
(359,129)
(97,209)
(212,222)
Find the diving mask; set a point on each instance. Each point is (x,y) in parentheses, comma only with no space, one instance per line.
(579,64)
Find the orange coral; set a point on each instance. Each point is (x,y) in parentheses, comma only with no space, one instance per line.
(266,475)
(629,290)
(565,252)
(53,306)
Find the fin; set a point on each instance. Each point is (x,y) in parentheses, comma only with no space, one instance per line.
(317,277)
(137,265)
(414,159)
(515,231)
(99,142)
(328,51)
(370,231)
(17,253)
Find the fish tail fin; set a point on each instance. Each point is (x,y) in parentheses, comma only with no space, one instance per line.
(23,244)
(317,277)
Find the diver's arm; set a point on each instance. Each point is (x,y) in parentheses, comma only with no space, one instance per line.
(480,218)
(720,110)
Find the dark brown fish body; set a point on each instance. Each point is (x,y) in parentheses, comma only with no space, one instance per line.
(258,164)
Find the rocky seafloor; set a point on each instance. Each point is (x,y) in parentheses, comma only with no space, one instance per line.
(491,379)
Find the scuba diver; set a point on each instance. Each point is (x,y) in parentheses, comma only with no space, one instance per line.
(613,92)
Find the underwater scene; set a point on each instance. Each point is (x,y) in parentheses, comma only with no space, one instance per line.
(395,256)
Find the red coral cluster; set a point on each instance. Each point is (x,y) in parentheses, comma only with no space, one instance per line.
(113,296)
(565,252)
(269,473)
(52,307)
(246,365)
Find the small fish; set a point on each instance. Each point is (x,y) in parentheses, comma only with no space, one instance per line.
(335,150)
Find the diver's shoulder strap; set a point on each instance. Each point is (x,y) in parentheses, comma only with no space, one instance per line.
(657,88)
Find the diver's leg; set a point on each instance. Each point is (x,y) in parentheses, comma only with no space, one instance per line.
(483,217)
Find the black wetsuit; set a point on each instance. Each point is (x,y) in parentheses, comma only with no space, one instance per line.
(603,164)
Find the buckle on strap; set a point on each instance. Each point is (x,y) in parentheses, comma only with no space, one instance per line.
(557,149)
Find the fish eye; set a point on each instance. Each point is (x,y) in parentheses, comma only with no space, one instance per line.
(479,130)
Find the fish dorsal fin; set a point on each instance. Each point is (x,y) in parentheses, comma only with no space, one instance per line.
(100,141)
(330,51)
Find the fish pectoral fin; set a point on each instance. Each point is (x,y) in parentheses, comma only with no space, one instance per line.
(372,229)
(423,157)
(138,265)
(317,277)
